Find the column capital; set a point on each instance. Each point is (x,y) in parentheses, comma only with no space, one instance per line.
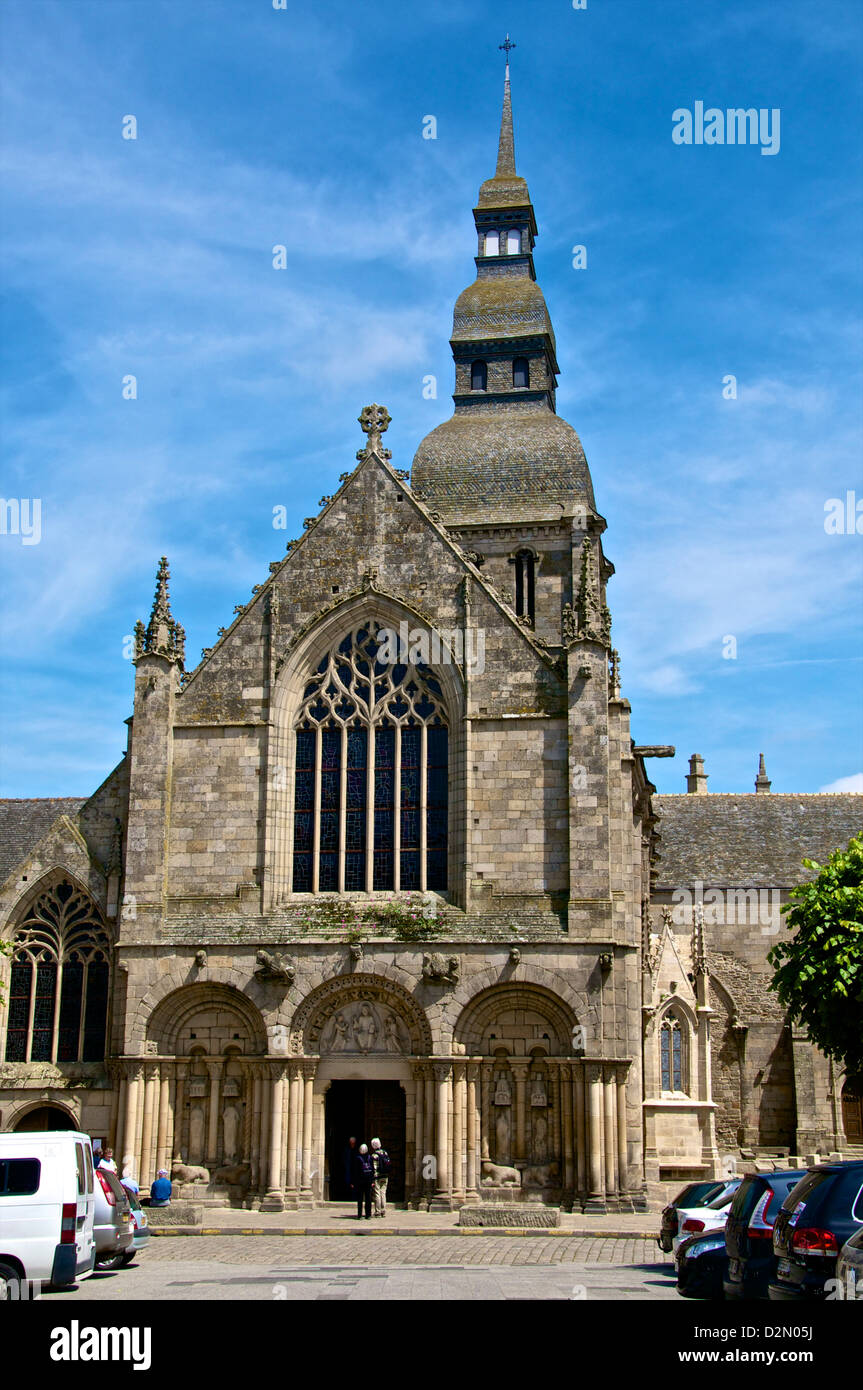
(309,1068)
(442,1071)
(182,1068)
(593,1071)
(136,1071)
(214,1065)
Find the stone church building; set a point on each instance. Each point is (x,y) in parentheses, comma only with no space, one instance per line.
(388,861)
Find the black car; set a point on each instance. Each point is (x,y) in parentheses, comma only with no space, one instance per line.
(696,1194)
(702,1265)
(817,1217)
(749,1231)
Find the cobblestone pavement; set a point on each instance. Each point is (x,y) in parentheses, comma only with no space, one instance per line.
(290,1268)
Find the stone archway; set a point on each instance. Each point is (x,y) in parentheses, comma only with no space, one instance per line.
(360,1015)
(42,1118)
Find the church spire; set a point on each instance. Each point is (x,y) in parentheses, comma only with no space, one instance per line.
(506,144)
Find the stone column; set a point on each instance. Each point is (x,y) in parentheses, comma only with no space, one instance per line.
(431,1097)
(274,1200)
(130,1126)
(458,1131)
(610,1131)
(309,1069)
(264,1131)
(487,1071)
(151,1101)
(254,1151)
(519,1144)
(295,1139)
(555,1096)
(442,1200)
(419,1134)
(567,1172)
(118,1132)
(162,1150)
(580,1127)
(596,1175)
(622,1146)
(471,1177)
(181,1069)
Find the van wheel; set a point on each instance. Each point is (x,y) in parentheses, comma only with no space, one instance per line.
(10,1278)
(109,1261)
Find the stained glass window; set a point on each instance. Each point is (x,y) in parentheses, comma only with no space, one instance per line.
(370,795)
(58,994)
(671,1056)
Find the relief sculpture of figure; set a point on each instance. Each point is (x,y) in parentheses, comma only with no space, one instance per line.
(391,1034)
(338,1034)
(365,1029)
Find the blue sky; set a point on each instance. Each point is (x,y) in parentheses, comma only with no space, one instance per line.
(304,127)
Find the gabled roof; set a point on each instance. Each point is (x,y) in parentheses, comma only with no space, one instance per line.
(748,839)
(24,821)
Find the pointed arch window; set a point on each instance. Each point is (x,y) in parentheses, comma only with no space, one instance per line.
(525,585)
(371,783)
(58,988)
(673,1055)
(479,376)
(520,372)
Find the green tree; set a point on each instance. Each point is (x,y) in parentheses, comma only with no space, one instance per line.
(819,970)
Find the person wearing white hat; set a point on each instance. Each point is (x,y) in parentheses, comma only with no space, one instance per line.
(382,1165)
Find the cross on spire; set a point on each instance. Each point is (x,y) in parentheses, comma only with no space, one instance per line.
(506,46)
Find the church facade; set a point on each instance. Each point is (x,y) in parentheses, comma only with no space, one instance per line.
(388,861)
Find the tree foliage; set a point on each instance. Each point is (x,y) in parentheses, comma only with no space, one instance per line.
(819,970)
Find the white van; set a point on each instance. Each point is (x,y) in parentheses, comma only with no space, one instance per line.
(47,1205)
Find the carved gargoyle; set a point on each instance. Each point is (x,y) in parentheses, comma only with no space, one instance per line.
(200,959)
(441,970)
(273,966)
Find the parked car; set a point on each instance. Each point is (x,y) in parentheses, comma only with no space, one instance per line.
(114,1226)
(816,1219)
(695,1194)
(749,1231)
(141,1237)
(849,1270)
(702,1264)
(712,1216)
(47,1206)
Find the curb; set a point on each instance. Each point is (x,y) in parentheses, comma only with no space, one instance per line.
(527,1231)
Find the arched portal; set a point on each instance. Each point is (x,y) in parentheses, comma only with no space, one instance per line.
(44,1118)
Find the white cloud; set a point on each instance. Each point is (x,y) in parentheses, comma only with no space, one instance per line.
(854,783)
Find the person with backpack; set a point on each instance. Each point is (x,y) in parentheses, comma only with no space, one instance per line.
(364,1174)
(382,1165)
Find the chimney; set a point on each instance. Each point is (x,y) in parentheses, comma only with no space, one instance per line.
(696,782)
(762,782)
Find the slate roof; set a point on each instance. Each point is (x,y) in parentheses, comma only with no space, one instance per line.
(750,840)
(24,821)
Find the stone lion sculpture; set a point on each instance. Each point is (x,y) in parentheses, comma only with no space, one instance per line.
(499,1175)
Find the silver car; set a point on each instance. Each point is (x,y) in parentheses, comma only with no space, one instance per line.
(113,1228)
(141,1237)
(848,1282)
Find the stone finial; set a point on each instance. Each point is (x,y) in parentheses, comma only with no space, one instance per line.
(762,781)
(696,782)
(614,675)
(374,421)
(162,636)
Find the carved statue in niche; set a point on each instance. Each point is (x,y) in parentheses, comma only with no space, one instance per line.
(231,1127)
(540,1138)
(538,1096)
(501,1135)
(196,1134)
(364,1027)
(502,1092)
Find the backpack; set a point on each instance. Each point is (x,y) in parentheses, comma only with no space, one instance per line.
(384,1164)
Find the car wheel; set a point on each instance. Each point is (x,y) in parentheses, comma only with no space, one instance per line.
(127,1257)
(10,1278)
(109,1261)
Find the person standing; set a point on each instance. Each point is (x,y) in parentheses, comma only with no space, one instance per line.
(381,1164)
(364,1174)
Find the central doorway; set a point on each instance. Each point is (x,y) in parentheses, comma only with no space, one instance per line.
(366,1110)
